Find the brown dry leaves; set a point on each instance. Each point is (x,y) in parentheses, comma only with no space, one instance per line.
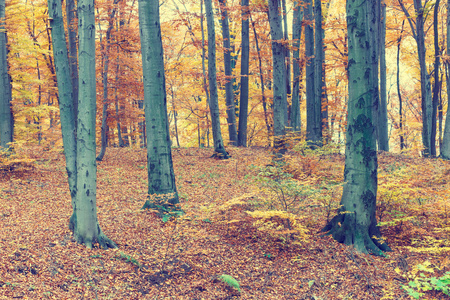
(182,259)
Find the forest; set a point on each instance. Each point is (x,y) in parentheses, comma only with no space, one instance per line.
(224,149)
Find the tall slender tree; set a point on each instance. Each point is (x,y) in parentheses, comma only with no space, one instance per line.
(319,58)
(229,93)
(297,68)
(355,223)
(72,47)
(279,76)
(161,177)
(6,115)
(382,128)
(219,148)
(436,86)
(445,149)
(245,56)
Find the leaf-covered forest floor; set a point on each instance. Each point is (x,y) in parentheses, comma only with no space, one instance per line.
(184,258)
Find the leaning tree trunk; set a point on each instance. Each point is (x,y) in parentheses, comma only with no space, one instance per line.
(86,228)
(245,55)
(6,115)
(229,93)
(296,69)
(219,148)
(162,190)
(65,93)
(279,76)
(355,223)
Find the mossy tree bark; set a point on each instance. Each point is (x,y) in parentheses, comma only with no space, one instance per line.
(6,115)
(219,148)
(162,189)
(355,223)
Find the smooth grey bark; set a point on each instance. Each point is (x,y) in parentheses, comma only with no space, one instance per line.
(382,128)
(65,94)
(205,84)
(105,57)
(311,119)
(296,122)
(87,229)
(72,46)
(219,148)
(245,56)
(162,189)
(445,148)
(319,56)
(355,224)
(436,86)
(287,54)
(279,77)
(6,114)
(229,93)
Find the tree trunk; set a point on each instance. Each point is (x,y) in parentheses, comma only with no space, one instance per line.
(162,189)
(287,59)
(87,230)
(355,223)
(436,86)
(105,57)
(427,106)
(318,74)
(445,150)
(311,118)
(6,115)
(219,148)
(399,93)
(382,135)
(243,101)
(296,122)
(65,94)
(279,77)
(261,78)
(229,93)
(72,46)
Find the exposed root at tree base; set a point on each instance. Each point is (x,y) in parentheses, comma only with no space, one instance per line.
(365,239)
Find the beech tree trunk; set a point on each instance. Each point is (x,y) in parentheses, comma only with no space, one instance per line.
(296,122)
(162,189)
(312,119)
(445,149)
(6,115)
(355,223)
(399,93)
(319,122)
(382,135)
(245,55)
(72,46)
(279,76)
(436,86)
(65,94)
(229,93)
(219,148)
(86,228)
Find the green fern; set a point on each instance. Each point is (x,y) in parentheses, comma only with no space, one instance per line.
(230,281)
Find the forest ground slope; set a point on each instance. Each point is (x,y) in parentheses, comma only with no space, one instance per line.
(273,255)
